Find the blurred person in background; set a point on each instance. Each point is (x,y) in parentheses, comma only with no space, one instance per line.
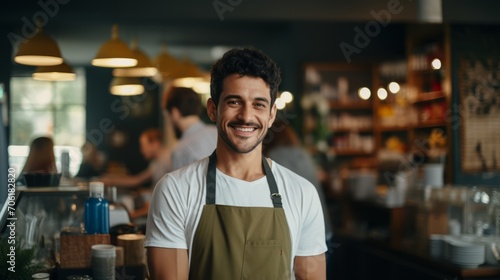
(93,162)
(283,145)
(159,157)
(197,139)
(41,156)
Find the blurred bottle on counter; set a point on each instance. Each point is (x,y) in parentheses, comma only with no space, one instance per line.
(96,210)
(65,164)
(65,174)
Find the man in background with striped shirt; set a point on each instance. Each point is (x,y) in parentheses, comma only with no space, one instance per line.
(198,140)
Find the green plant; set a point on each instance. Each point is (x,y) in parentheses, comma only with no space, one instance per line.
(24,263)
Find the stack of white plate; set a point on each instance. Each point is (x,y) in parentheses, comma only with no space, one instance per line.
(463,253)
(436,245)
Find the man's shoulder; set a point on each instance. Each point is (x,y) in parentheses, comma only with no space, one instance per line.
(192,168)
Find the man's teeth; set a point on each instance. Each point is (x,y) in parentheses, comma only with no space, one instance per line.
(244,129)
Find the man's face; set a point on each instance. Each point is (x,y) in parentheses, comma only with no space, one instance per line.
(244,112)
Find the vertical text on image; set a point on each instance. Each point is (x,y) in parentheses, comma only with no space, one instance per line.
(11,218)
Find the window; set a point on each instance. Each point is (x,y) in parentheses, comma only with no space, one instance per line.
(42,108)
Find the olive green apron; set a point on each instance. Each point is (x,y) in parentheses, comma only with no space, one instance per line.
(241,242)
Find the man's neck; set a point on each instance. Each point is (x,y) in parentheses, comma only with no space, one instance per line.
(247,167)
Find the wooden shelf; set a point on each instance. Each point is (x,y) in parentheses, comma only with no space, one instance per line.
(394,128)
(431,123)
(425,71)
(350,152)
(357,105)
(349,129)
(420,124)
(429,96)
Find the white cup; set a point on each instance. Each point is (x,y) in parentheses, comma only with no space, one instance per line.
(103,261)
(40,276)
(434,174)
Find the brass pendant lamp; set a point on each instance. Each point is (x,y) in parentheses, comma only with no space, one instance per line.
(61,72)
(39,50)
(166,64)
(114,53)
(144,67)
(187,74)
(126,86)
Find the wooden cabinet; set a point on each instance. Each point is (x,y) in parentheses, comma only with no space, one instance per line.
(415,119)
(337,121)
(429,88)
(411,126)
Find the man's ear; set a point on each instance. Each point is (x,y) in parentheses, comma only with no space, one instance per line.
(211,110)
(272,116)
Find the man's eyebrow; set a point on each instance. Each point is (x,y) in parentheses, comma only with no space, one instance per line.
(235,96)
(262,99)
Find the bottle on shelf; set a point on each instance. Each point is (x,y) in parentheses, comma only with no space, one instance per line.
(96,210)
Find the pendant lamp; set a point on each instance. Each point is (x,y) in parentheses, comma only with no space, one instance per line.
(39,50)
(114,53)
(61,72)
(187,74)
(166,64)
(144,67)
(126,86)
(187,69)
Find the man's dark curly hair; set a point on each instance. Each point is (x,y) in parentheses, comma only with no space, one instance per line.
(245,62)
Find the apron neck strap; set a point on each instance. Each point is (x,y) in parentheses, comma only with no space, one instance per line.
(273,187)
(211,172)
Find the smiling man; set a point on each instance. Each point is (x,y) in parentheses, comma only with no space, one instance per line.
(236,214)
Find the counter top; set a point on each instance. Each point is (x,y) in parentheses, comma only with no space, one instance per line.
(424,258)
(409,254)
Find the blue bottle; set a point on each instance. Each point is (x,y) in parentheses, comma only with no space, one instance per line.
(96,210)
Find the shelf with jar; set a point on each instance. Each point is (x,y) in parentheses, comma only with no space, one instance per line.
(395,115)
(337,109)
(352,144)
(427,78)
(429,91)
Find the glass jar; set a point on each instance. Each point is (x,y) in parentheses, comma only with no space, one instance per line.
(477,212)
(495,213)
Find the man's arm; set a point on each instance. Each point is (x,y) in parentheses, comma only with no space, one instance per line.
(310,267)
(168,264)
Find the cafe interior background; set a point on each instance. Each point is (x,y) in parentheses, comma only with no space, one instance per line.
(378,89)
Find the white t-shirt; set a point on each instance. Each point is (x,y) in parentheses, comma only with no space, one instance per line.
(179,197)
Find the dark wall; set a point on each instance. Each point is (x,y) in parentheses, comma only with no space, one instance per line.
(300,43)
(115,123)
